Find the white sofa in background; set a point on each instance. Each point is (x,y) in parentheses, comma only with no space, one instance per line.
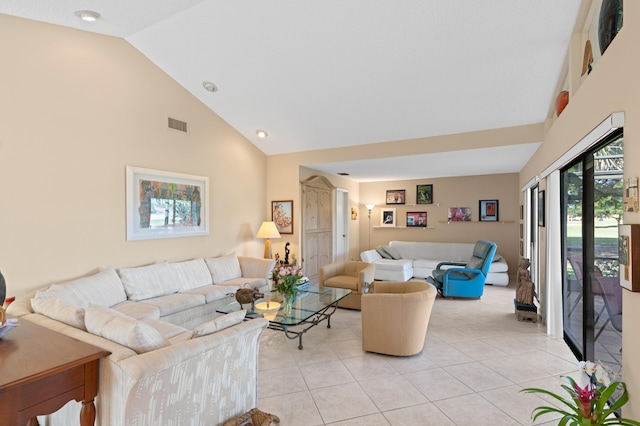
(404,260)
(173,359)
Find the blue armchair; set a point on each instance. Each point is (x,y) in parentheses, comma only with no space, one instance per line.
(465,279)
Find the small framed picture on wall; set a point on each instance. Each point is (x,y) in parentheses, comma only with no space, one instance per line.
(388,217)
(282,216)
(488,210)
(396,196)
(416,219)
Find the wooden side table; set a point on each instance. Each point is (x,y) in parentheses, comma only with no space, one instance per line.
(41,370)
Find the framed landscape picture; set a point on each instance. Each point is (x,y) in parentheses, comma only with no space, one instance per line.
(282,216)
(165,204)
(416,219)
(424,194)
(396,196)
(488,210)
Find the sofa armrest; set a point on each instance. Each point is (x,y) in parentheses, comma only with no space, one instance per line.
(222,366)
(256,267)
(370,256)
(22,305)
(450,264)
(366,275)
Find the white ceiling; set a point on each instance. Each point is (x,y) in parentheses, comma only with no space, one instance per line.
(332,73)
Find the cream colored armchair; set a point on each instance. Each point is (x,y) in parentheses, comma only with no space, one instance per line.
(395,317)
(351,275)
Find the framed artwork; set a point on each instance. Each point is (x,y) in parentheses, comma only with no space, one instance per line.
(282,216)
(629,256)
(488,211)
(541,208)
(416,219)
(424,194)
(163,204)
(459,214)
(388,216)
(395,196)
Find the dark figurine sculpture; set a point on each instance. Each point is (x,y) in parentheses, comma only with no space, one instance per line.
(248,295)
(286,254)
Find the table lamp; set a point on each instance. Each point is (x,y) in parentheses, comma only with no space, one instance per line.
(268,230)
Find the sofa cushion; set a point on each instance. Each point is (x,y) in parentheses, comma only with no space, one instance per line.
(383,253)
(58,310)
(213,293)
(191,274)
(224,268)
(342,281)
(220,323)
(244,283)
(122,329)
(137,310)
(145,282)
(172,332)
(103,288)
(172,303)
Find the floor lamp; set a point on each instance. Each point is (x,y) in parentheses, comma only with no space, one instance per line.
(268,230)
(370,207)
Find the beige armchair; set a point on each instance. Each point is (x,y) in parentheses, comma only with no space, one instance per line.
(351,275)
(395,317)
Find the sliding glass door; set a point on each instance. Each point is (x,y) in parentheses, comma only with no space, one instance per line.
(592,187)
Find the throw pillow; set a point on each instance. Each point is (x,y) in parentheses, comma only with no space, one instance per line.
(220,323)
(497,258)
(395,254)
(123,329)
(145,282)
(224,268)
(58,310)
(191,274)
(103,288)
(381,251)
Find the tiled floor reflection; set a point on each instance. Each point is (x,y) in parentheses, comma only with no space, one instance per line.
(476,359)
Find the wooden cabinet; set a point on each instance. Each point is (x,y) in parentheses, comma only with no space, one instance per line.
(317,224)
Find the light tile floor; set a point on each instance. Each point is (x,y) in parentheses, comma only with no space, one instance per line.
(476,359)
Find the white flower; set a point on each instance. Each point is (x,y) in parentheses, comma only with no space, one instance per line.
(590,367)
(602,376)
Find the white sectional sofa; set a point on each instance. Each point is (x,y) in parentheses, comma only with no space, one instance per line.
(403,260)
(173,360)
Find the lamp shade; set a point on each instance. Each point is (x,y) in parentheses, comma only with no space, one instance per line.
(370,206)
(268,230)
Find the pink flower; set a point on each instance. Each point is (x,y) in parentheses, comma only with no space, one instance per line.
(586,396)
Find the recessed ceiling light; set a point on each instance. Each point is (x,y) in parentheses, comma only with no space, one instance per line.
(88,15)
(209,86)
(262,133)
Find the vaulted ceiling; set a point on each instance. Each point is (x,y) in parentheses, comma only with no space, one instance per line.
(335,73)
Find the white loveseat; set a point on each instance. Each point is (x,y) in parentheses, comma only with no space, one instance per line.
(403,260)
(173,360)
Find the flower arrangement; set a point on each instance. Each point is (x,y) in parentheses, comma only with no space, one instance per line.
(286,279)
(588,405)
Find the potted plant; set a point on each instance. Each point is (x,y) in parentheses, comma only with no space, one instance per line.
(592,404)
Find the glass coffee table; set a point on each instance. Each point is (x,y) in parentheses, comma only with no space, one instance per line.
(311,306)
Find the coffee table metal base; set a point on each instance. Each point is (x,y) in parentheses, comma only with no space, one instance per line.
(324,314)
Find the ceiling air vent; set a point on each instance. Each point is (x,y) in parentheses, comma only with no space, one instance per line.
(178,125)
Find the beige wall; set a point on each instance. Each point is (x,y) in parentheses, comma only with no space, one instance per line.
(612,86)
(77,108)
(464,191)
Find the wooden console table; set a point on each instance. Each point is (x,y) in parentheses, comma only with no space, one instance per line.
(41,370)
